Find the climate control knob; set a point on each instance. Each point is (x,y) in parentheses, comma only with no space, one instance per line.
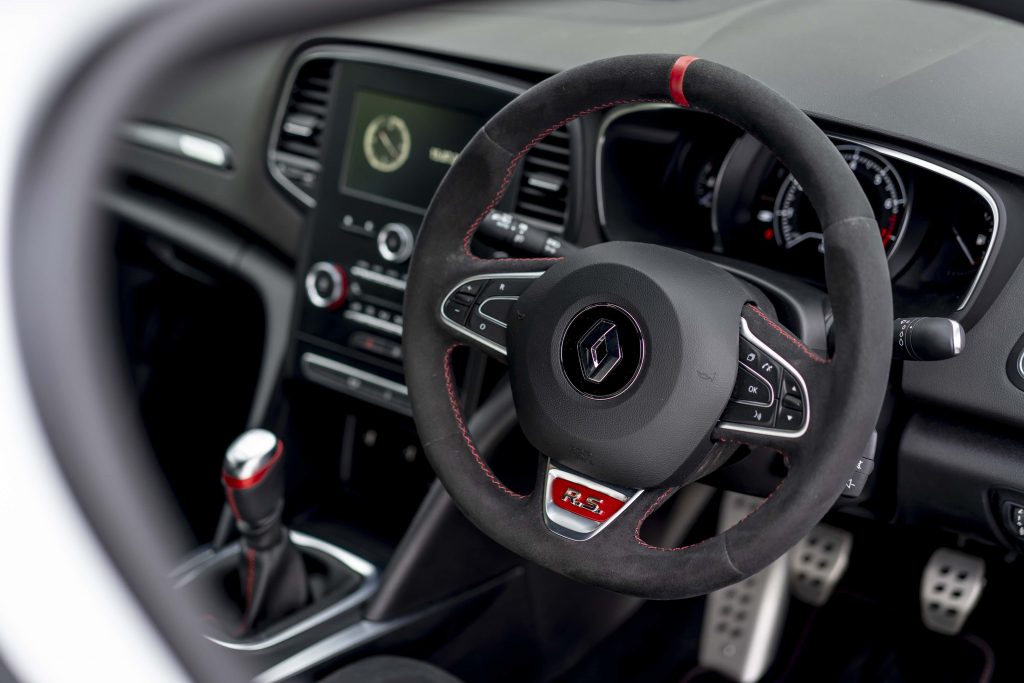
(326,285)
(395,242)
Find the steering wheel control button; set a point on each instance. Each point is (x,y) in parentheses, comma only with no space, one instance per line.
(506,286)
(395,242)
(782,409)
(471,288)
(790,387)
(497,309)
(481,306)
(759,362)
(744,414)
(487,328)
(602,351)
(752,389)
(456,311)
(326,285)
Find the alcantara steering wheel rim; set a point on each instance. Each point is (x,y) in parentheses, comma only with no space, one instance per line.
(672,325)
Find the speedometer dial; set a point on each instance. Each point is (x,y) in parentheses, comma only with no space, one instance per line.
(797,227)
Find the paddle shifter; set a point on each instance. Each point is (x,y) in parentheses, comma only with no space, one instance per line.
(273,575)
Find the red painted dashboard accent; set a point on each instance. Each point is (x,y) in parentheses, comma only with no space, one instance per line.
(584,501)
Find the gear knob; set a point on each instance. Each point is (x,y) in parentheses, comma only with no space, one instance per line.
(253,479)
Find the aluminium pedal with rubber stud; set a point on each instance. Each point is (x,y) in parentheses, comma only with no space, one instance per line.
(743,623)
(818,562)
(951,586)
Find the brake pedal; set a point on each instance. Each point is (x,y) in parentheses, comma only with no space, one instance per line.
(950,589)
(743,623)
(818,562)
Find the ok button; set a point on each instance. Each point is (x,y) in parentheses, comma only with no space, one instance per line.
(751,389)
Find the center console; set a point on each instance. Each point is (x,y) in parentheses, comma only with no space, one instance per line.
(385,130)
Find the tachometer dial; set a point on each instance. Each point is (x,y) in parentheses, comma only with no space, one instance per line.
(797,226)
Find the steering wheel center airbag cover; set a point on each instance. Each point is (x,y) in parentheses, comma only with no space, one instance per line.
(621,358)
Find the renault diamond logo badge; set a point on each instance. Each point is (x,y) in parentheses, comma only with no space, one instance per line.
(602,351)
(599,351)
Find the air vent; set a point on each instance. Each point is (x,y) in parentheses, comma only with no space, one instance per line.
(297,148)
(544,188)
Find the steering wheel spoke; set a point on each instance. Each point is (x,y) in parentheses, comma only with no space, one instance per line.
(478,307)
(781,385)
(578,507)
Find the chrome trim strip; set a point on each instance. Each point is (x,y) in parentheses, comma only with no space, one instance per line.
(180,143)
(189,570)
(958,337)
(574,527)
(772,431)
(347,370)
(483,314)
(378,278)
(465,331)
(363,56)
(949,173)
(376,323)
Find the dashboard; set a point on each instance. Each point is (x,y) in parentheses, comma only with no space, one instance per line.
(338,139)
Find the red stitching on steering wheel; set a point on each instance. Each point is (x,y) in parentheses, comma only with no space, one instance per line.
(785,333)
(661,499)
(454,402)
(511,169)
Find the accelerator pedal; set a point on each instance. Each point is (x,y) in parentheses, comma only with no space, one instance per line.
(818,562)
(950,589)
(743,623)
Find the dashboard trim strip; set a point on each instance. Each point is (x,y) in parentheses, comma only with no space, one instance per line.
(347,370)
(179,143)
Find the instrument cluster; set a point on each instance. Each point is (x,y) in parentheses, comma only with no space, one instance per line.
(693,181)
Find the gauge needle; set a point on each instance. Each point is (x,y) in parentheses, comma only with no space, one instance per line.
(382,136)
(960,241)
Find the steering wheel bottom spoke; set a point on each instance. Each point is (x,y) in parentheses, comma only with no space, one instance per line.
(577,507)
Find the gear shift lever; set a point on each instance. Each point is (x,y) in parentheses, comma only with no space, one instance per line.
(273,575)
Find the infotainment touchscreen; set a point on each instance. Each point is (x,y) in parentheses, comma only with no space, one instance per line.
(398,149)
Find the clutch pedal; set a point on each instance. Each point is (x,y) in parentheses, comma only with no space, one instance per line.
(818,562)
(950,589)
(743,623)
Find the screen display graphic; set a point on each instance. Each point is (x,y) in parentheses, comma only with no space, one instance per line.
(400,149)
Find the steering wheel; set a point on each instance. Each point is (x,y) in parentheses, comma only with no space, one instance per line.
(635,368)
